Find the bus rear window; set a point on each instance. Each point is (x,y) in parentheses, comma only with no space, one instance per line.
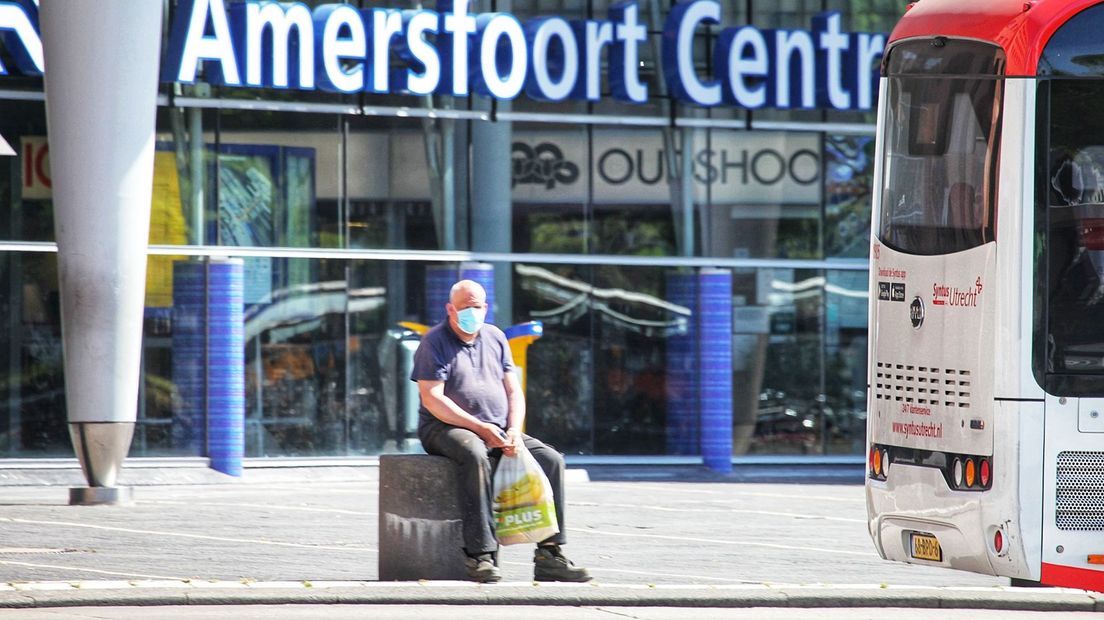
(942,134)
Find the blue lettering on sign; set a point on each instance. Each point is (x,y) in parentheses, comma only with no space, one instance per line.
(678,51)
(624,58)
(553,39)
(503,60)
(270,61)
(336,47)
(772,68)
(19,32)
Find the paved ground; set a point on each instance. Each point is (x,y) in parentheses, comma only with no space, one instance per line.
(532,612)
(310,535)
(282,527)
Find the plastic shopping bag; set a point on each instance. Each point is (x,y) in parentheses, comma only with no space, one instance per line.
(523,506)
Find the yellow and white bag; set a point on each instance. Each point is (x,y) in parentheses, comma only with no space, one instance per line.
(523,505)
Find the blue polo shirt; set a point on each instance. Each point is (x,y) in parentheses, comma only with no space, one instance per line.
(472,372)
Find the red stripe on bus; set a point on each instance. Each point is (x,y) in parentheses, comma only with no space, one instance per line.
(1071,577)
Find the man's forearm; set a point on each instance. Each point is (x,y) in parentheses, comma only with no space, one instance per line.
(515,399)
(446,410)
(517,412)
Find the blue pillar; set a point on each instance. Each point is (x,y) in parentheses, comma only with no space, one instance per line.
(226,366)
(439,279)
(682,367)
(189,352)
(715,367)
(208,365)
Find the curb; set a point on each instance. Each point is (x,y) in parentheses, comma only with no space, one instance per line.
(160,593)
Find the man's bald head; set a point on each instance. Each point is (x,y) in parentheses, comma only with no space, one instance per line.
(466,289)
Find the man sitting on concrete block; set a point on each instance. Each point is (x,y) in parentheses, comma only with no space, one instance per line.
(472,410)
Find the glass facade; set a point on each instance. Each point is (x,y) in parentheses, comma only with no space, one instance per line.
(350,210)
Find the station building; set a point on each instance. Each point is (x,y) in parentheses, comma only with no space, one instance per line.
(679,193)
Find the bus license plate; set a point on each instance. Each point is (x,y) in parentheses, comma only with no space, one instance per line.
(926,547)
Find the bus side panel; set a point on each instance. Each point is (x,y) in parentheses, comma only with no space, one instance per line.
(1073,471)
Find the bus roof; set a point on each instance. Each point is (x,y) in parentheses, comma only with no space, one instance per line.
(1021,28)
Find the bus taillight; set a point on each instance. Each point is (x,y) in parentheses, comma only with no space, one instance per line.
(998,542)
(878,462)
(970,473)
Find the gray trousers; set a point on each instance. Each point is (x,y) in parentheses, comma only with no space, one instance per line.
(475,465)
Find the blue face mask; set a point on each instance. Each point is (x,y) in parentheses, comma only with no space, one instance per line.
(469,320)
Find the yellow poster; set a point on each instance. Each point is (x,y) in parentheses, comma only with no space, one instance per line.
(166,227)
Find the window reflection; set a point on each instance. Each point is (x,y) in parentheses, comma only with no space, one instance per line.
(1074,186)
(325,344)
(325,371)
(848,169)
(605,328)
(32,412)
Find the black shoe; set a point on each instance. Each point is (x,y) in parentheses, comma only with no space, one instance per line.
(482,568)
(549,564)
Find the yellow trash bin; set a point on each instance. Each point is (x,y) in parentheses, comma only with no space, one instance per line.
(520,336)
(417,328)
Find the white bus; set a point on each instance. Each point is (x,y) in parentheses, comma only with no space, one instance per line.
(986,362)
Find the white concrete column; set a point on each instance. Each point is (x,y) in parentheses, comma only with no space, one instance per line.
(102,62)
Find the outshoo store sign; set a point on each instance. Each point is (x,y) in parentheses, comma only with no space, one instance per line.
(453,51)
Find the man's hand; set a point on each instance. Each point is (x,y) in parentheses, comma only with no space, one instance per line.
(513,442)
(493,436)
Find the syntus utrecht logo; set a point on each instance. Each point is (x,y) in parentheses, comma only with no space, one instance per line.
(543,164)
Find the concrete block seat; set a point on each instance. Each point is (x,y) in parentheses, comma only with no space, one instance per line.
(420,531)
